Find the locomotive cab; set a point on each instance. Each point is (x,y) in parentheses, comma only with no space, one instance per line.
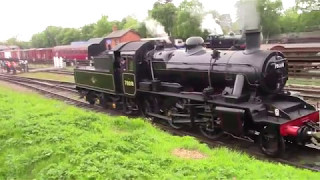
(115,73)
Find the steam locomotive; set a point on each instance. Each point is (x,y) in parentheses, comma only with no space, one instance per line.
(239,93)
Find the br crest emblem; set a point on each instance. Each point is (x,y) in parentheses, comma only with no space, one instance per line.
(93,80)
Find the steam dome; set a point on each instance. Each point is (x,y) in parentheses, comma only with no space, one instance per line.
(195,41)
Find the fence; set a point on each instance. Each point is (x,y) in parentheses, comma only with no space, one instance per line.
(303,59)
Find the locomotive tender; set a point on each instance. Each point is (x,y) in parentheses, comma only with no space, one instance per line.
(239,93)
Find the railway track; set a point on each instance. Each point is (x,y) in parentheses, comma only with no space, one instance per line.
(307,92)
(64,91)
(61,72)
(64,84)
(301,157)
(56,71)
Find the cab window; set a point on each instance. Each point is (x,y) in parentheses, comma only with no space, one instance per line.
(127,63)
(130,63)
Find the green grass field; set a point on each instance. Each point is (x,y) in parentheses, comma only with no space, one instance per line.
(50,76)
(47,139)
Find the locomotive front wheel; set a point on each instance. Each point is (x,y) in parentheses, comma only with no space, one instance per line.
(210,131)
(271,142)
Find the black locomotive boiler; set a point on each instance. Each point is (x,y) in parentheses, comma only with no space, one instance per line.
(239,93)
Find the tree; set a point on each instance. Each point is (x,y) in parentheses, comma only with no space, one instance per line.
(68,35)
(51,33)
(309,16)
(130,23)
(12,41)
(87,32)
(103,27)
(194,7)
(310,20)
(165,14)
(188,20)
(187,25)
(235,26)
(118,24)
(53,36)
(47,38)
(142,30)
(302,17)
(39,40)
(307,5)
(15,41)
(289,21)
(270,12)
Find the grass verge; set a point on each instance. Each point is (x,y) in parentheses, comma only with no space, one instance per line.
(38,66)
(69,68)
(47,139)
(304,81)
(49,76)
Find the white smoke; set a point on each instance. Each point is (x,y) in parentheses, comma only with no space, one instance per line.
(211,25)
(249,17)
(155,28)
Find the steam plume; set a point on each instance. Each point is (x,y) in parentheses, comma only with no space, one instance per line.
(210,24)
(249,17)
(155,28)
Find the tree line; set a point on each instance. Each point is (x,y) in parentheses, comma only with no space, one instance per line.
(183,21)
(54,35)
(304,16)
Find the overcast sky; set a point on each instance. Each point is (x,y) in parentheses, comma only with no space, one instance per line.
(22,18)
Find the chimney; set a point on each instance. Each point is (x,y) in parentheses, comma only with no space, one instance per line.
(250,23)
(253,40)
(114,28)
